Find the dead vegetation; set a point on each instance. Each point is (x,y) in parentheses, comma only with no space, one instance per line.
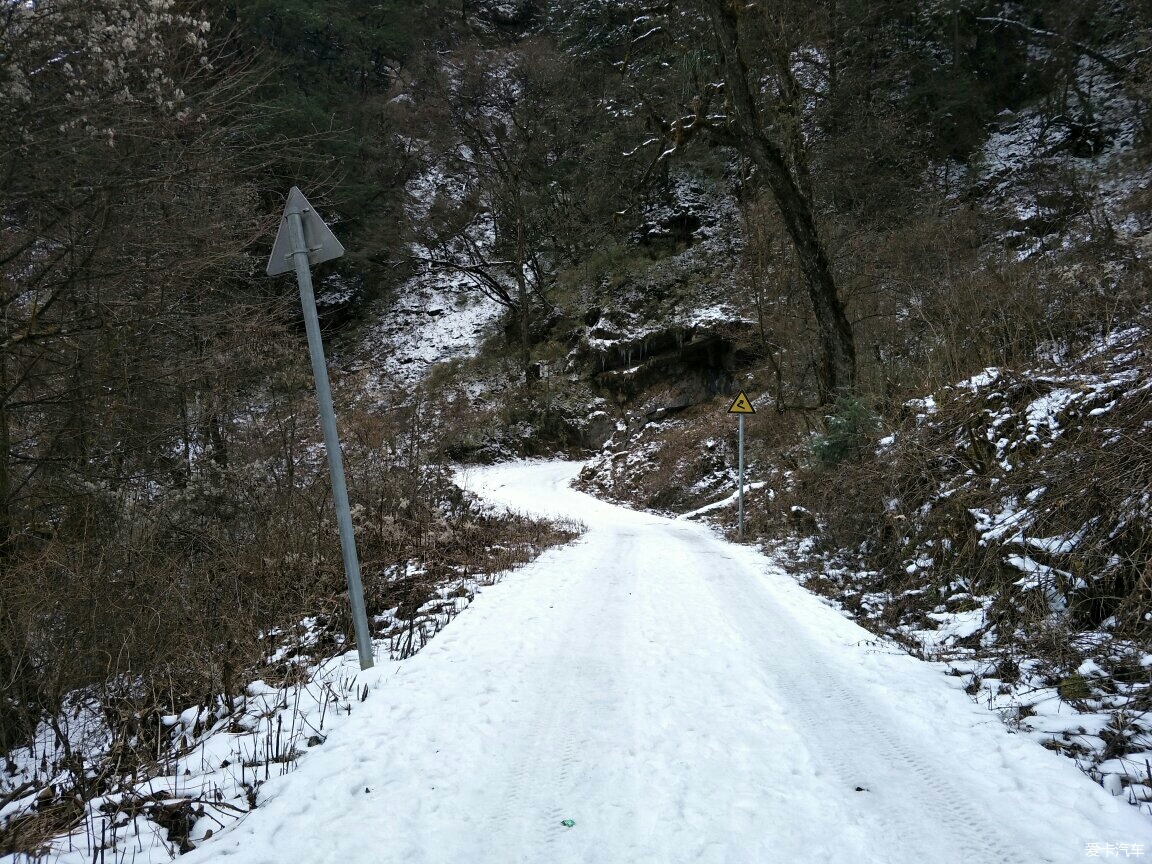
(1001,526)
(181,597)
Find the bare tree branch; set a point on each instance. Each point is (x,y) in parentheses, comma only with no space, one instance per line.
(1051,36)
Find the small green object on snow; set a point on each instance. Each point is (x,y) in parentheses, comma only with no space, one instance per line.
(568,823)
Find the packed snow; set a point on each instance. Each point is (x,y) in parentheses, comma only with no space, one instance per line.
(652,693)
(648,693)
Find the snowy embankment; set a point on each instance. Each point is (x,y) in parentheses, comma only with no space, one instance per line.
(1007,541)
(440,314)
(435,317)
(651,693)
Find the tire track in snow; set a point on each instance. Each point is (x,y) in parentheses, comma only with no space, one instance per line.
(941,806)
(857,745)
(569,743)
(556,728)
(512,796)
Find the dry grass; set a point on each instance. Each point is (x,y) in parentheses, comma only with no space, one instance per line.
(916,500)
(171,599)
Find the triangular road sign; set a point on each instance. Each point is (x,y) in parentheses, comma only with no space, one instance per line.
(742,405)
(321,242)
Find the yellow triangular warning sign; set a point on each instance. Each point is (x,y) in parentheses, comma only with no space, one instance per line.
(742,405)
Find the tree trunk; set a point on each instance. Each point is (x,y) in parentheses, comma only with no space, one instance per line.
(5,466)
(837,371)
(522,298)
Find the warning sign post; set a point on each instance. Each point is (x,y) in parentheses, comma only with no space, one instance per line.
(742,407)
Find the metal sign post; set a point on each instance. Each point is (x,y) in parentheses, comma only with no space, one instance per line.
(740,522)
(304,239)
(742,407)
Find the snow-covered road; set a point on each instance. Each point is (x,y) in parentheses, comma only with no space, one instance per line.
(680,699)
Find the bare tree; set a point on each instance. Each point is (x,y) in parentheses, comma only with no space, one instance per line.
(531,188)
(735,80)
(124,205)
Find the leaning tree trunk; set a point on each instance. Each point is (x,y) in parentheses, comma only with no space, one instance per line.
(837,372)
(522,297)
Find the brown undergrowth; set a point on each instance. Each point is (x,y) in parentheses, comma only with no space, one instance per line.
(1002,526)
(180,597)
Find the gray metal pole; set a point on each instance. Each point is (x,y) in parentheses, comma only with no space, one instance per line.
(331,441)
(741,493)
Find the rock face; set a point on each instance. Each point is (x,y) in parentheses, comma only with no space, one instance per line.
(599,430)
(663,370)
(509,14)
